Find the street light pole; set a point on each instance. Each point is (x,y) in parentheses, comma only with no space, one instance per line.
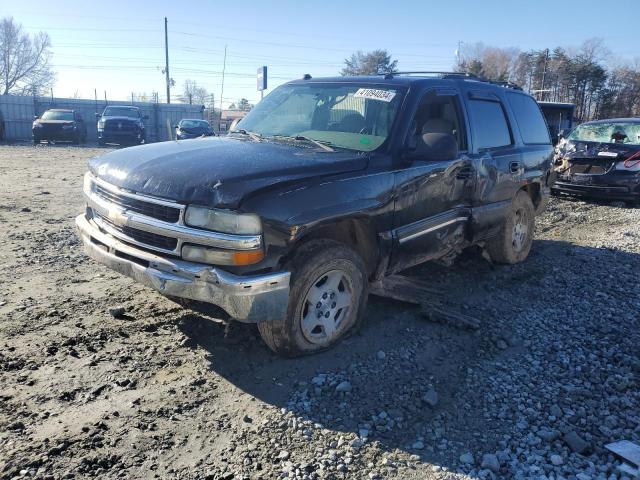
(166,60)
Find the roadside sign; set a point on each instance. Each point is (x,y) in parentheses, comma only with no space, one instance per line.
(262,78)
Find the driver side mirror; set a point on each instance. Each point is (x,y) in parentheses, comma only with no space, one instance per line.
(98,115)
(433,147)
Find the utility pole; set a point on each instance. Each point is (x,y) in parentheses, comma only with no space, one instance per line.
(458,52)
(166,60)
(544,73)
(224,67)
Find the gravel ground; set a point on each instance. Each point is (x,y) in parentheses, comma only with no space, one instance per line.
(161,392)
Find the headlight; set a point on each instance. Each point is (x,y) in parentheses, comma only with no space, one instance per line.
(223,221)
(101,124)
(216,256)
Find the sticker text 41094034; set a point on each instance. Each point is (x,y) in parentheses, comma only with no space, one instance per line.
(375,94)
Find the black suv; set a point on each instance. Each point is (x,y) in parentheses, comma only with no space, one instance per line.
(325,186)
(122,125)
(58,124)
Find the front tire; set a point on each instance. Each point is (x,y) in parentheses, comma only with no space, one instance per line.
(513,243)
(328,295)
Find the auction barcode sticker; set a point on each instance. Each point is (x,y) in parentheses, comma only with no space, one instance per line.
(374,94)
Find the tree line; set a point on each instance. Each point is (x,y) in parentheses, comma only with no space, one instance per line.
(582,76)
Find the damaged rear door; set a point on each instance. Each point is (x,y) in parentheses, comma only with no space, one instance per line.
(496,158)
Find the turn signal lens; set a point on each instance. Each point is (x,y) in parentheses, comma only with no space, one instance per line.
(215,256)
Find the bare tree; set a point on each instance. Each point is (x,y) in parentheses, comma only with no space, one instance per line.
(24,60)
(372,63)
(194,94)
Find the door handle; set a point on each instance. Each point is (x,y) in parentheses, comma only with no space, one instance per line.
(514,167)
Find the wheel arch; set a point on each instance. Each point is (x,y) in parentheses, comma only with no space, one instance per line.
(356,233)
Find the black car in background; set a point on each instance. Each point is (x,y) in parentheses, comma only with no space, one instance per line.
(193,128)
(59,125)
(600,159)
(123,125)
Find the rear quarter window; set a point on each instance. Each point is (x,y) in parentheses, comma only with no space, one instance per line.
(489,124)
(531,123)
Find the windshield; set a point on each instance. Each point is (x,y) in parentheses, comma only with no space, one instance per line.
(194,124)
(615,132)
(52,115)
(351,116)
(121,112)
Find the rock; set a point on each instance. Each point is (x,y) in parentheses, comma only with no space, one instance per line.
(556,411)
(17,425)
(344,387)
(556,460)
(490,462)
(576,443)
(466,459)
(284,455)
(117,311)
(548,435)
(430,398)
(58,449)
(381,355)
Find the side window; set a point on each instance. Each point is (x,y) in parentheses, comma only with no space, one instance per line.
(529,118)
(439,114)
(489,124)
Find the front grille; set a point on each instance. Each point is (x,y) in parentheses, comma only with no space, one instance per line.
(153,210)
(120,126)
(147,238)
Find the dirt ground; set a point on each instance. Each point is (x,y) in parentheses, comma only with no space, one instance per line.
(548,379)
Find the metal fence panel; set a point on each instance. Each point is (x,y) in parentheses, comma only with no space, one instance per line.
(19,111)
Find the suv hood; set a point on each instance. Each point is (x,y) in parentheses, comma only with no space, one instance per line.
(215,171)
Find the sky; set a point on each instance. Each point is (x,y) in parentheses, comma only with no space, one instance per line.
(117,46)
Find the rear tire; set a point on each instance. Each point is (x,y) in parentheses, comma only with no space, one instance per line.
(513,243)
(328,296)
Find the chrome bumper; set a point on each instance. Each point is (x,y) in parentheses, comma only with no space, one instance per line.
(247,299)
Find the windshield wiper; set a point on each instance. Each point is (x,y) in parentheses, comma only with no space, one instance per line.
(324,146)
(253,135)
(302,138)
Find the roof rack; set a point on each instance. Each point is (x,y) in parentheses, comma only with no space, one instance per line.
(451,75)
